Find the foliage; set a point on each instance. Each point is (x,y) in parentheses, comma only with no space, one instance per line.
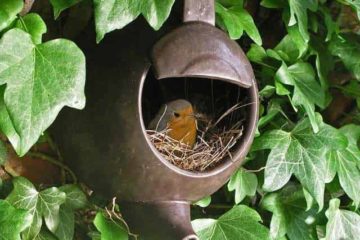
(241,222)
(12,221)
(342,224)
(305,159)
(109,229)
(53,205)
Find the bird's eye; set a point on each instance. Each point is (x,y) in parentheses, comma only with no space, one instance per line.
(176,114)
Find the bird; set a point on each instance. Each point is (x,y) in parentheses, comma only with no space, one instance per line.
(179,119)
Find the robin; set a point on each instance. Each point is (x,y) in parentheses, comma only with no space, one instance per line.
(178,117)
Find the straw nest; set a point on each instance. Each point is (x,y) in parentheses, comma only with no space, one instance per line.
(215,139)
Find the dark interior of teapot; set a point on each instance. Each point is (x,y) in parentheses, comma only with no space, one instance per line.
(214,102)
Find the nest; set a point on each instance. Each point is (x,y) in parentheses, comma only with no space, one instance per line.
(215,139)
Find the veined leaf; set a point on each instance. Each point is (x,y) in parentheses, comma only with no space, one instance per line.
(348,50)
(273,109)
(109,229)
(12,221)
(33,24)
(290,216)
(288,49)
(61,5)
(45,235)
(346,163)
(342,224)
(307,92)
(298,14)
(75,199)
(236,20)
(204,202)
(244,183)
(300,152)
(240,223)
(40,80)
(44,204)
(115,14)
(324,60)
(8,11)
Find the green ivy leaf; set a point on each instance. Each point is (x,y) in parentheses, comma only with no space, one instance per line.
(346,163)
(33,24)
(290,215)
(300,152)
(258,55)
(273,109)
(75,199)
(61,5)
(244,183)
(348,50)
(273,3)
(236,20)
(12,221)
(5,122)
(307,92)
(241,223)
(111,15)
(204,202)
(8,11)
(324,60)
(298,14)
(45,235)
(44,204)
(331,26)
(342,224)
(267,91)
(109,229)
(40,80)
(288,50)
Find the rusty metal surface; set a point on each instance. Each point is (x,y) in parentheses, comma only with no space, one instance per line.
(199,11)
(155,216)
(200,50)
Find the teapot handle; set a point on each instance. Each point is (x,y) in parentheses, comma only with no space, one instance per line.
(199,10)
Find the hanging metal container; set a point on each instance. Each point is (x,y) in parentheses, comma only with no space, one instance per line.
(106,144)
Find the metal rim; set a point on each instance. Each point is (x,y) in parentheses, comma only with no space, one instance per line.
(241,150)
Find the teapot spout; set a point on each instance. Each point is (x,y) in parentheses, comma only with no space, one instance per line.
(159,220)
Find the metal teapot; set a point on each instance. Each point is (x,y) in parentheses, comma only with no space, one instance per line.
(106,143)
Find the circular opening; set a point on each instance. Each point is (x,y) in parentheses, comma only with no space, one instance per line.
(220,111)
(191,237)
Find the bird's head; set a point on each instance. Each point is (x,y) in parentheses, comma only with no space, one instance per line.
(180,113)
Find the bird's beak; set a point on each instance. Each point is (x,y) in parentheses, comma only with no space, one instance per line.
(197,116)
(192,115)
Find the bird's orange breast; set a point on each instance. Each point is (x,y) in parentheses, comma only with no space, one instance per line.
(183,128)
